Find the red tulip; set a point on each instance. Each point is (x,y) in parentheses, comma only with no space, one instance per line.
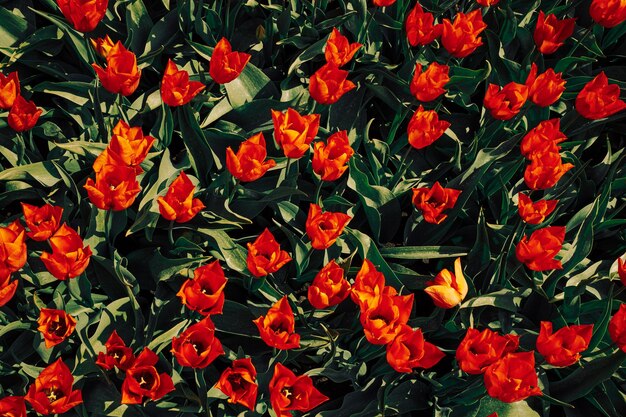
(55,326)
(420,27)
(339,50)
(265,256)
(551,33)
(545,89)
(534,213)
(513,378)
(117,354)
(330,160)
(329,84)
(52,393)
(226,65)
(543,138)
(277,327)
(197,346)
(128,147)
(12,248)
(23,115)
(409,350)
(69,258)
(9,90)
(176,89)
(205,292)
(621,270)
(433,201)
(462,37)
(249,164)
(178,203)
(323,228)
(538,251)
(545,170)
(425,128)
(294,132)
(384,321)
(608,13)
(478,349)
(369,286)
(84,15)
(42,221)
(329,287)
(7,287)
(599,99)
(116,187)
(12,406)
(428,85)
(563,347)
(143,380)
(617,328)
(239,383)
(504,103)
(289,392)
(122,74)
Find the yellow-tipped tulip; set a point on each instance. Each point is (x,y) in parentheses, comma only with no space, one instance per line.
(447,289)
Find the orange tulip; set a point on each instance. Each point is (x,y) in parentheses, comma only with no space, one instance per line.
(369,285)
(384,321)
(608,13)
(551,33)
(479,349)
(205,292)
(239,383)
(277,327)
(23,115)
(505,102)
(538,251)
(265,256)
(420,27)
(290,392)
(121,75)
(425,128)
(323,228)
(12,248)
(329,287)
(197,347)
(84,15)
(487,2)
(617,328)
(226,65)
(339,51)
(13,406)
(563,347)
(409,350)
(42,221)
(178,203)
(330,160)
(382,3)
(447,289)
(69,258)
(55,326)
(249,164)
(143,380)
(176,89)
(128,146)
(545,89)
(103,45)
(599,99)
(433,201)
(534,213)
(52,393)
(621,270)
(462,37)
(428,85)
(115,188)
(9,90)
(329,84)
(545,170)
(294,132)
(117,355)
(513,378)
(7,288)
(543,138)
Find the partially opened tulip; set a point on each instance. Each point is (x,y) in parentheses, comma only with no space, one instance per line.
(7,287)
(13,406)
(513,378)
(550,32)
(277,326)
(116,187)
(12,247)
(369,286)
(294,132)
(69,257)
(479,349)
(339,50)
(128,147)
(9,90)
(621,270)
(544,89)
(462,37)
(543,138)
(238,382)
(197,347)
(428,85)
(545,170)
(447,290)
(323,228)
(179,204)
(205,292)
(176,89)
(265,256)
(55,326)
(121,75)
(330,159)
(103,45)
(290,392)
(538,251)
(599,99)
(117,354)
(425,128)
(143,380)
(226,64)
(534,212)
(329,84)
(384,321)
(24,115)
(420,27)
(42,221)
(52,393)
(506,102)
(249,163)
(329,287)
(563,347)
(434,201)
(617,328)
(84,15)
(409,350)
(608,13)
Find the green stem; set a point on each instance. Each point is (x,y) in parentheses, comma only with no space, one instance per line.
(170,234)
(317,192)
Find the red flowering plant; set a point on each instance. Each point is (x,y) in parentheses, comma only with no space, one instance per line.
(298,208)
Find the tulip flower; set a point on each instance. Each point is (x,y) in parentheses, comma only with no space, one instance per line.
(290,392)
(84,15)
(551,33)
(462,37)
(545,170)
(599,99)
(428,85)
(197,347)
(265,256)
(52,393)
(534,212)
(409,350)
(9,90)
(7,287)
(143,380)
(42,221)
(538,251)
(69,258)
(238,382)
(12,248)
(24,115)
(117,355)
(176,89)
(487,3)
(384,321)
(55,326)
(122,74)
(128,147)
(447,290)
(13,406)
(543,138)
(479,349)
(621,270)
(339,50)
(116,187)
(329,84)
(205,292)
(277,327)
(178,203)
(369,286)
(226,65)
(617,328)
(329,287)
(330,160)
(563,347)
(323,228)
(513,378)
(433,201)
(249,163)
(420,27)
(506,102)
(608,13)
(546,88)
(294,132)
(425,128)
(103,45)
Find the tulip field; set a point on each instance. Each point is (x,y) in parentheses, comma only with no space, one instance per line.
(321,208)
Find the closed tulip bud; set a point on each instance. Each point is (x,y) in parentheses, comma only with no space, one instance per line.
(409,350)
(339,50)
(23,115)
(9,90)
(42,221)
(323,228)
(116,187)
(178,203)
(55,326)
(434,201)
(249,163)
(534,212)
(205,292)
(545,89)
(238,382)
(504,103)
(294,132)
(176,89)
(69,258)
(330,160)
(122,74)
(447,290)
(13,406)
(277,327)
(538,251)
(265,256)
(329,287)
(608,13)
(226,65)
(329,84)
(425,128)
(563,347)
(52,393)
(513,378)
(462,37)
(290,392)
(143,380)
(543,138)
(479,349)
(84,15)
(599,99)
(617,328)
(420,27)
(197,347)
(117,354)
(551,33)
(545,170)
(428,85)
